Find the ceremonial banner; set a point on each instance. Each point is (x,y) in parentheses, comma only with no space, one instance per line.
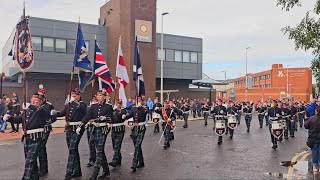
(24,51)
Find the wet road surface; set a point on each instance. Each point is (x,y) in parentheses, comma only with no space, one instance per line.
(194,154)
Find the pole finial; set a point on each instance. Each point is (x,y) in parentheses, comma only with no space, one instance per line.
(79,19)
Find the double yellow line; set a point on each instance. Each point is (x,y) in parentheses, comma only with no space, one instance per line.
(303,156)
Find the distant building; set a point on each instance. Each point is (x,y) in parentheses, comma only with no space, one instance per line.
(276,83)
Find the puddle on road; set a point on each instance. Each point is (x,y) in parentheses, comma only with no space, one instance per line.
(239,149)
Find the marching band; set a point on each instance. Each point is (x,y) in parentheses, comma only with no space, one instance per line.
(103,117)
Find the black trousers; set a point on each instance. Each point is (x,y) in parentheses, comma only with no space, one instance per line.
(73,140)
(91,144)
(31,152)
(261,117)
(100,136)
(117,138)
(43,157)
(274,140)
(137,136)
(205,115)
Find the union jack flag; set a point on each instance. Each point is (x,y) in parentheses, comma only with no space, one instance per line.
(101,69)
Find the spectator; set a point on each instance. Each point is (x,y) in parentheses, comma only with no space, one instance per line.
(313,124)
(8,110)
(14,95)
(3,123)
(150,107)
(311,108)
(14,116)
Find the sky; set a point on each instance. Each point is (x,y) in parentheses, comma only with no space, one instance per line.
(226,26)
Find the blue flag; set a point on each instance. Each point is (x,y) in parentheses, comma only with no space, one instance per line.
(137,72)
(82,61)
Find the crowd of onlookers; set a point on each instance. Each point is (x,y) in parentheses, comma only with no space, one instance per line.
(10,113)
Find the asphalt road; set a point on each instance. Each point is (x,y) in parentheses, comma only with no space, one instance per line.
(194,154)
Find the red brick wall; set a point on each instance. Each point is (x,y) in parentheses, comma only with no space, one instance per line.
(299,80)
(121,22)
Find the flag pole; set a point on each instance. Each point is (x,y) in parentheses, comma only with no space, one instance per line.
(71,79)
(25,104)
(117,79)
(24,82)
(136,88)
(93,70)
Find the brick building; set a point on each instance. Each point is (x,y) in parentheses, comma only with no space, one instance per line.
(54,41)
(276,83)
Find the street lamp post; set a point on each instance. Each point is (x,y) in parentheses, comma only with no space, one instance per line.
(246,98)
(225,80)
(288,80)
(161,54)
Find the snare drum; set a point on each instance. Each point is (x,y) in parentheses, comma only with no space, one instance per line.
(232,121)
(156,118)
(220,127)
(277,129)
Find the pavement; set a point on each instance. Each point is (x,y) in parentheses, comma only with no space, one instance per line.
(194,154)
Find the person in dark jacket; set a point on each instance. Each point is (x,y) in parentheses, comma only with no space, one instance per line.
(313,124)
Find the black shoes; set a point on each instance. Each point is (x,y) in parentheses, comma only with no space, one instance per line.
(134,169)
(42,174)
(231,137)
(219,142)
(274,146)
(140,165)
(90,164)
(114,164)
(248,130)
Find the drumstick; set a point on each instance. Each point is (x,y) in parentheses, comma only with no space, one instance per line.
(163,133)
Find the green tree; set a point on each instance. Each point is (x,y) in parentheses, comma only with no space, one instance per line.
(306,34)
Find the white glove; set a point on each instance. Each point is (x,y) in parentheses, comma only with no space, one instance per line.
(278,115)
(169,120)
(24,107)
(266,114)
(6,117)
(102,118)
(156,108)
(53,112)
(282,113)
(124,116)
(78,130)
(221,112)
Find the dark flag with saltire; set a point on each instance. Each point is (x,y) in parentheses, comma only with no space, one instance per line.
(102,71)
(82,61)
(137,72)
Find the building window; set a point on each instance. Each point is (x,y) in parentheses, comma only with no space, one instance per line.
(261,77)
(48,45)
(186,56)
(61,45)
(169,55)
(268,76)
(159,54)
(36,43)
(199,57)
(71,46)
(194,57)
(178,56)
